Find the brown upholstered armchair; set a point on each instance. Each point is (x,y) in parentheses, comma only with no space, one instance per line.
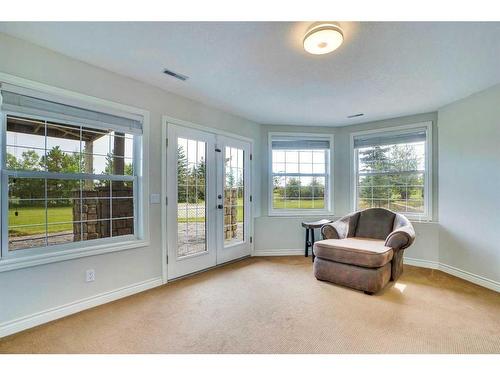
(363,250)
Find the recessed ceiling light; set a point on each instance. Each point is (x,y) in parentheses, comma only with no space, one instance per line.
(323,38)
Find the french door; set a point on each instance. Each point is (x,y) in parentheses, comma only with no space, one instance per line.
(208,191)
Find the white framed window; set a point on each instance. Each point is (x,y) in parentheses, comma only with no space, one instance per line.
(300,178)
(71,177)
(392,169)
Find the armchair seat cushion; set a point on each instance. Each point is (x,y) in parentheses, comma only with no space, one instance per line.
(363,252)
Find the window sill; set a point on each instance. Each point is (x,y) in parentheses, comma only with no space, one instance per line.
(416,218)
(11,264)
(422,221)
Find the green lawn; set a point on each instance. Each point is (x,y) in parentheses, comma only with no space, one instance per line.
(279,203)
(395,204)
(36,215)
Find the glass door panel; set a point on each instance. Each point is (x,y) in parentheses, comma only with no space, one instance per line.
(191,193)
(234,192)
(191,215)
(234,196)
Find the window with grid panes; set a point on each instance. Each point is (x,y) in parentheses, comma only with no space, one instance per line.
(390,171)
(68,175)
(300,171)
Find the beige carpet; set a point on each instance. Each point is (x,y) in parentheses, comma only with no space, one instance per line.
(275,305)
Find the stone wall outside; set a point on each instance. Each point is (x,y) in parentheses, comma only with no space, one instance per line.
(94,211)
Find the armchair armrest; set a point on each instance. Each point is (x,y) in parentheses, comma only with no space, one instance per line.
(340,229)
(329,231)
(401,238)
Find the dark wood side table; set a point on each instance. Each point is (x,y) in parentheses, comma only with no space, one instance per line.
(310,226)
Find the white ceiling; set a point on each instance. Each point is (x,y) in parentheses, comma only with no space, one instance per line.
(258,70)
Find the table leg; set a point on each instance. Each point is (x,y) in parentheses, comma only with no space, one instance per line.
(312,243)
(306,254)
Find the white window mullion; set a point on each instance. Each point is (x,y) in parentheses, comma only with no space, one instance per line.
(46,193)
(111,209)
(46,215)
(67,176)
(81,183)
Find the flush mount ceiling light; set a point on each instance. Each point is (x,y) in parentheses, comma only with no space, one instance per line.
(323,38)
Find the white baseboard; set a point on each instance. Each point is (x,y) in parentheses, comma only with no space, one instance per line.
(29,321)
(432,264)
(278,252)
(466,275)
(473,278)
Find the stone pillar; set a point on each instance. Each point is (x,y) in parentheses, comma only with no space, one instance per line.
(77,232)
(95,212)
(119,153)
(118,160)
(89,163)
(234,212)
(230,213)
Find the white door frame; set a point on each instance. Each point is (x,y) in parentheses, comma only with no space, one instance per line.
(164,131)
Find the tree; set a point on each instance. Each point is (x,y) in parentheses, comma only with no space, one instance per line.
(29,189)
(182,175)
(375,188)
(59,161)
(30,161)
(195,181)
(230,178)
(129,169)
(317,188)
(293,188)
(12,162)
(278,189)
(199,175)
(397,183)
(108,169)
(404,159)
(24,190)
(200,172)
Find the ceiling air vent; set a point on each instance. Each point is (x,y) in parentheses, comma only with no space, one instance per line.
(356,115)
(182,77)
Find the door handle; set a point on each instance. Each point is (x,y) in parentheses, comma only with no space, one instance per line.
(220,206)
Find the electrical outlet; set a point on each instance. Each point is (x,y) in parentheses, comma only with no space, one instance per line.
(90,276)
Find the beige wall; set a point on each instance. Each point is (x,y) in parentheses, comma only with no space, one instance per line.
(31,290)
(469,184)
